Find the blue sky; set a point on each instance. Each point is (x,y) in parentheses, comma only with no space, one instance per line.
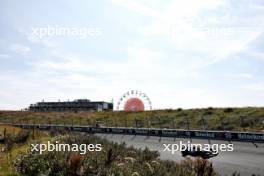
(185,54)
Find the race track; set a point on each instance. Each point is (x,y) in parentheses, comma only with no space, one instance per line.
(246,157)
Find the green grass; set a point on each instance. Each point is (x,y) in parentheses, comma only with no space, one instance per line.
(238,119)
(7,158)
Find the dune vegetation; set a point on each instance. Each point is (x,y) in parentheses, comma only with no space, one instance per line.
(13,142)
(237,119)
(114,159)
(16,158)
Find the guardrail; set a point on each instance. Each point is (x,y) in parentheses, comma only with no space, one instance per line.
(175,133)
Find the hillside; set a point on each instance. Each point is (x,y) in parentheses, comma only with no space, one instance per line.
(238,119)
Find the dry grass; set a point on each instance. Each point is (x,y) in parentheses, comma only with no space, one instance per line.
(7,157)
(114,159)
(240,119)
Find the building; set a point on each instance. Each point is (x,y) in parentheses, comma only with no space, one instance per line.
(74,106)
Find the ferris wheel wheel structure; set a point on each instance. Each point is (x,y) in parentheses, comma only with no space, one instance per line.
(134,100)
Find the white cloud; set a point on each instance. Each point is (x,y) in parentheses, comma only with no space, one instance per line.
(197,27)
(20,49)
(137,7)
(164,56)
(258,87)
(256,54)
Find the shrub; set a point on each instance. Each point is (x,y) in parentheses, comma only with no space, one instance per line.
(179,109)
(228,110)
(11,139)
(22,136)
(114,159)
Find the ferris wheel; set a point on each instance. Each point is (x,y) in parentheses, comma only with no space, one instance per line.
(134,100)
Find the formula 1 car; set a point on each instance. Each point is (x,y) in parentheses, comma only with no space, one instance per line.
(204,154)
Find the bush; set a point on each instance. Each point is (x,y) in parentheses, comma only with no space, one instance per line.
(228,110)
(22,136)
(114,159)
(179,109)
(11,139)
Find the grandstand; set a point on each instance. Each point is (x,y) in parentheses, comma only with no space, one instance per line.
(74,106)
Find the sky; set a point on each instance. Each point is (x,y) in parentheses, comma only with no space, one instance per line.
(181,53)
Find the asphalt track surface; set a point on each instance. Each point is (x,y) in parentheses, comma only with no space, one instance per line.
(246,157)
